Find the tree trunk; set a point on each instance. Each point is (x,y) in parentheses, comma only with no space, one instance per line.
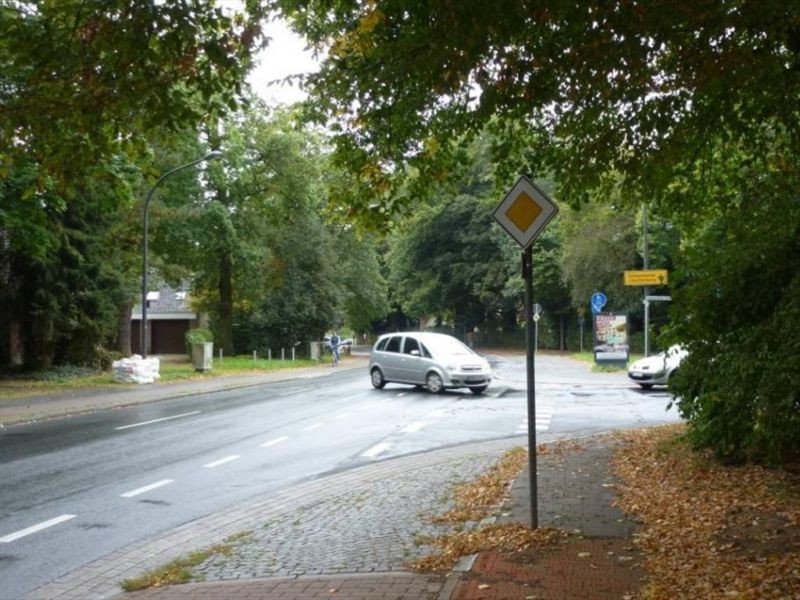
(225,333)
(16,345)
(124,329)
(44,339)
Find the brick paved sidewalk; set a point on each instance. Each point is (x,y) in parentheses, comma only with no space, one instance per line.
(598,562)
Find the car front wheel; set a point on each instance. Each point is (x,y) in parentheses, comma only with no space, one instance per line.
(377,379)
(434,383)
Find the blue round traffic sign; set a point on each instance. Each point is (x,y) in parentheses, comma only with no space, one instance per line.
(599,300)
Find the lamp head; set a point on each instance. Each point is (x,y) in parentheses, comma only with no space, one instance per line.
(212,155)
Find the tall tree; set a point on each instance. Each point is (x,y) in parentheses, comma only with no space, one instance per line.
(599,244)
(617,86)
(82,80)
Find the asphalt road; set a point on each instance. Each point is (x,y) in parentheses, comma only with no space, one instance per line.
(76,489)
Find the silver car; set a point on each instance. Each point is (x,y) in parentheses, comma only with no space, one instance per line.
(434,360)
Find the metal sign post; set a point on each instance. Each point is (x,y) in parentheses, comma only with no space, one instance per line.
(524,213)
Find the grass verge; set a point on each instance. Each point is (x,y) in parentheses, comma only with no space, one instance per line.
(588,358)
(176,571)
(179,570)
(62,379)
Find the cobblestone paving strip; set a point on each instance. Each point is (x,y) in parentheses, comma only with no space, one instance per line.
(374,529)
(351,504)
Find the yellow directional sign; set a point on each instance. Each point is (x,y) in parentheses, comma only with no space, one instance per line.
(651,277)
(525,211)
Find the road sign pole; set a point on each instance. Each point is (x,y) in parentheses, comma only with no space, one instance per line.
(524,213)
(527,273)
(646,325)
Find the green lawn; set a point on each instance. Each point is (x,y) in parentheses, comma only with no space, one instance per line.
(71,378)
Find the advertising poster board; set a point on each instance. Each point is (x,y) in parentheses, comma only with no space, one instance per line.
(611,339)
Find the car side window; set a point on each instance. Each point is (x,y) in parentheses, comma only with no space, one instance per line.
(410,345)
(423,351)
(394,344)
(382,344)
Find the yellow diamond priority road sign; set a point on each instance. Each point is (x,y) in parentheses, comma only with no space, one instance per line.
(525,211)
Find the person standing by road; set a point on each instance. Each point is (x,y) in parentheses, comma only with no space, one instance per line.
(334,343)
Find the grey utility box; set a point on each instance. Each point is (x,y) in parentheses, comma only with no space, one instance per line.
(203,356)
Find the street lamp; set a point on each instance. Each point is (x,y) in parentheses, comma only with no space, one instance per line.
(210,156)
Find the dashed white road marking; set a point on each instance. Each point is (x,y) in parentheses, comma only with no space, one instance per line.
(414,426)
(146,488)
(313,427)
(188,414)
(274,442)
(544,415)
(401,394)
(34,528)
(222,461)
(377,449)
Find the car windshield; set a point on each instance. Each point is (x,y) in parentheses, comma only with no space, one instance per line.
(440,346)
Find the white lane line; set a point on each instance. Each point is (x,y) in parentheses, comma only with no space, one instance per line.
(34,528)
(414,426)
(147,488)
(222,461)
(274,442)
(377,449)
(313,427)
(194,412)
(293,392)
(401,394)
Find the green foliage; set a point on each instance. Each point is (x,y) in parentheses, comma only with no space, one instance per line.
(617,87)
(197,336)
(60,280)
(83,81)
(737,293)
(599,244)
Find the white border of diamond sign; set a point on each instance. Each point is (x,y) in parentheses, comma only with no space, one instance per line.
(549,210)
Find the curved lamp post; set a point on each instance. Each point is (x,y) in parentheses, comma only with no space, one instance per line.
(211,155)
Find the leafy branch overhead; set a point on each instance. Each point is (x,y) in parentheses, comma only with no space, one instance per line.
(83,80)
(624,86)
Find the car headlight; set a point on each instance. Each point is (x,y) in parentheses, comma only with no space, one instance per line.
(451,368)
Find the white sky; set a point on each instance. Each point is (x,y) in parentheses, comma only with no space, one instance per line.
(285,55)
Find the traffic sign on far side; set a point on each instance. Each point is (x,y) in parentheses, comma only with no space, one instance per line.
(649,277)
(525,211)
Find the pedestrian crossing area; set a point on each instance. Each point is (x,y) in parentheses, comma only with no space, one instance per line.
(544,415)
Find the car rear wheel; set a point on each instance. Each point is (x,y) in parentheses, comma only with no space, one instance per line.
(434,383)
(478,390)
(377,378)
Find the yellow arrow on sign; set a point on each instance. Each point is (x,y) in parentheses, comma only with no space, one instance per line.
(650,277)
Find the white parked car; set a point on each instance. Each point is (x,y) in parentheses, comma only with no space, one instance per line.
(434,360)
(657,369)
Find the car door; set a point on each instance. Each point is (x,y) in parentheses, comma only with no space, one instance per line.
(390,359)
(410,366)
